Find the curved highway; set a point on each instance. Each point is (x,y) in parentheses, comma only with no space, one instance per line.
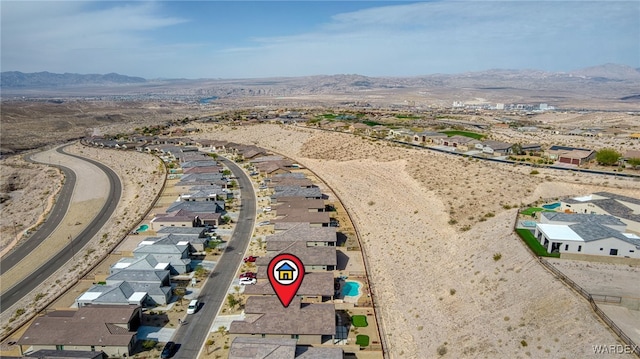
(17,292)
(51,222)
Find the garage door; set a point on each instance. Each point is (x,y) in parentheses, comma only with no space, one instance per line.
(565,160)
(575,161)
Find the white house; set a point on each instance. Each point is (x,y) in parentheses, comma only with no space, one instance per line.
(586,234)
(627,209)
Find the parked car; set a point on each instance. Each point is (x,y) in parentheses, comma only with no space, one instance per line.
(168,350)
(248,281)
(247,275)
(264,223)
(266,209)
(250,259)
(193,306)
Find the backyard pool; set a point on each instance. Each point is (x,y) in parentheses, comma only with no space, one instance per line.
(551,205)
(351,289)
(142,228)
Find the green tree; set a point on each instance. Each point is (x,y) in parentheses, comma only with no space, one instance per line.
(608,156)
(517,149)
(633,162)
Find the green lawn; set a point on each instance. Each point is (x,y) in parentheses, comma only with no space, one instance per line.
(362,340)
(477,136)
(531,210)
(371,123)
(533,243)
(359,321)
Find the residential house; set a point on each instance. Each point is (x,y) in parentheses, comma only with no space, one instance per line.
(630,154)
(111,329)
(315,219)
(317,287)
(625,208)
(314,258)
(276,181)
(570,155)
(293,191)
(203,169)
(530,148)
(64,354)
(428,136)
(175,254)
(120,293)
(495,148)
(299,204)
(590,234)
(266,317)
(459,142)
(272,348)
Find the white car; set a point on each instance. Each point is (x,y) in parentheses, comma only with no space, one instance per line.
(247,281)
(267,209)
(193,306)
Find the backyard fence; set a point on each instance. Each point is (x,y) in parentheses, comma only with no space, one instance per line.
(591,298)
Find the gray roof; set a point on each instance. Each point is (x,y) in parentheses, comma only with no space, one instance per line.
(313,284)
(176,238)
(603,219)
(147,262)
(197,207)
(496,145)
(119,292)
(198,177)
(262,348)
(594,231)
(151,288)
(163,249)
(613,205)
(64,354)
(291,175)
(136,275)
(202,163)
(266,315)
(294,191)
(300,203)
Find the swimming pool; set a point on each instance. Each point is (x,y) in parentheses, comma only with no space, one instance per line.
(351,289)
(142,228)
(551,206)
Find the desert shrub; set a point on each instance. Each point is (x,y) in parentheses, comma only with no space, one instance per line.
(497,256)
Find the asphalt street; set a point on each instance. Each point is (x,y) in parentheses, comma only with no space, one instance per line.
(192,334)
(40,274)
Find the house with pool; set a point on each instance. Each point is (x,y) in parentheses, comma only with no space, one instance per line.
(627,209)
(317,287)
(590,234)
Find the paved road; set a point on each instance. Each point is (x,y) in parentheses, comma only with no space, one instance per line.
(192,335)
(53,220)
(17,292)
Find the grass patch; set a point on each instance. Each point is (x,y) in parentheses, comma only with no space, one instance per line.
(362,340)
(359,321)
(410,117)
(329,116)
(533,243)
(477,136)
(531,210)
(371,123)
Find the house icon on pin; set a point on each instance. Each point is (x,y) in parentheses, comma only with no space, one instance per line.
(285,272)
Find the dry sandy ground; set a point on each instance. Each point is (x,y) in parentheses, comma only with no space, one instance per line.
(142,177)
(430,226)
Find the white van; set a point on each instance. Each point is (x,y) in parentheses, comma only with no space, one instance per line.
(193,306)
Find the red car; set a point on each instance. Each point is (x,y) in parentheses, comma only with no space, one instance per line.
(250,259)
(248,275)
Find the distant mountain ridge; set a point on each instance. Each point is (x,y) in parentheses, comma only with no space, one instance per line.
(606,72)
(17,79)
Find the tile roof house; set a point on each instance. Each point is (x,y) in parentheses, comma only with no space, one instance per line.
(312,323)
(591,234)
(272,348)
(65,354)
(293,191)
(315,219)
(316,286)
(494,147)
(570,155)
(320,258)
(428,136)
(111,329)
(627,209)
(299,204)
(460,142)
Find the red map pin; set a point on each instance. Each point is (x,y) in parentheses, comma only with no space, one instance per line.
(285,273)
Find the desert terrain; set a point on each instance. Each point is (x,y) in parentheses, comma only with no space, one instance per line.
(431,225)
(448,274)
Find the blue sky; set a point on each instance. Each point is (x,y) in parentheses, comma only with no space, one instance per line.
(244,39)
